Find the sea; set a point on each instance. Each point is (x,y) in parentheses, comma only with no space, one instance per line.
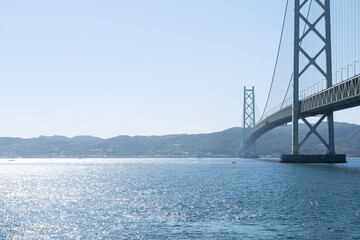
(172,198)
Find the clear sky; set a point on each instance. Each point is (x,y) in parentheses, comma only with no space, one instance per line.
(150,67)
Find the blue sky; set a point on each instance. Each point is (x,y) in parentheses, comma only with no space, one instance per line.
(112,67)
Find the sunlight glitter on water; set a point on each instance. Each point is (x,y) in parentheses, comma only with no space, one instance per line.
(177,198)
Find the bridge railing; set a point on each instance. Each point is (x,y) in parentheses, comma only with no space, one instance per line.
(321,85)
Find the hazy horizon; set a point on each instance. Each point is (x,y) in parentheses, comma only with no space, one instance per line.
(144,135)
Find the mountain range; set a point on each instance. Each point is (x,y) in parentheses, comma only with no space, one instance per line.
(219,144)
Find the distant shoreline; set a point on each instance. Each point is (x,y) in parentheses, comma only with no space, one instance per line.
(224,144)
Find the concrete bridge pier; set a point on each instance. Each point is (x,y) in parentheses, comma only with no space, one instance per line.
(313,158)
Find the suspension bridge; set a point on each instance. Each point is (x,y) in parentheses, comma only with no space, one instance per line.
(316,73)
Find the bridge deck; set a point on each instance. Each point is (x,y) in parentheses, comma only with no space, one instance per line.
(338,97)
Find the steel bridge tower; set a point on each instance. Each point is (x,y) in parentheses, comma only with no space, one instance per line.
(321,21)
(249,117)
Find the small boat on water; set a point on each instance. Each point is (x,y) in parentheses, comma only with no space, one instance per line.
(11,160)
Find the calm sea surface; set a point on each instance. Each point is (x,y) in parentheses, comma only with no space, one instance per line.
(178,199)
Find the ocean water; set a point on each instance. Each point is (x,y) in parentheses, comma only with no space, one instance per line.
(178,199)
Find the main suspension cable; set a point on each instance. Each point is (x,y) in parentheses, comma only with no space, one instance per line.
(277,59)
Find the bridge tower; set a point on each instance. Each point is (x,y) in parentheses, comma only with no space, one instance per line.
(322,21)
(248,118)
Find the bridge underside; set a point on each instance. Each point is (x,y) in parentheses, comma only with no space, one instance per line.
(280,118)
